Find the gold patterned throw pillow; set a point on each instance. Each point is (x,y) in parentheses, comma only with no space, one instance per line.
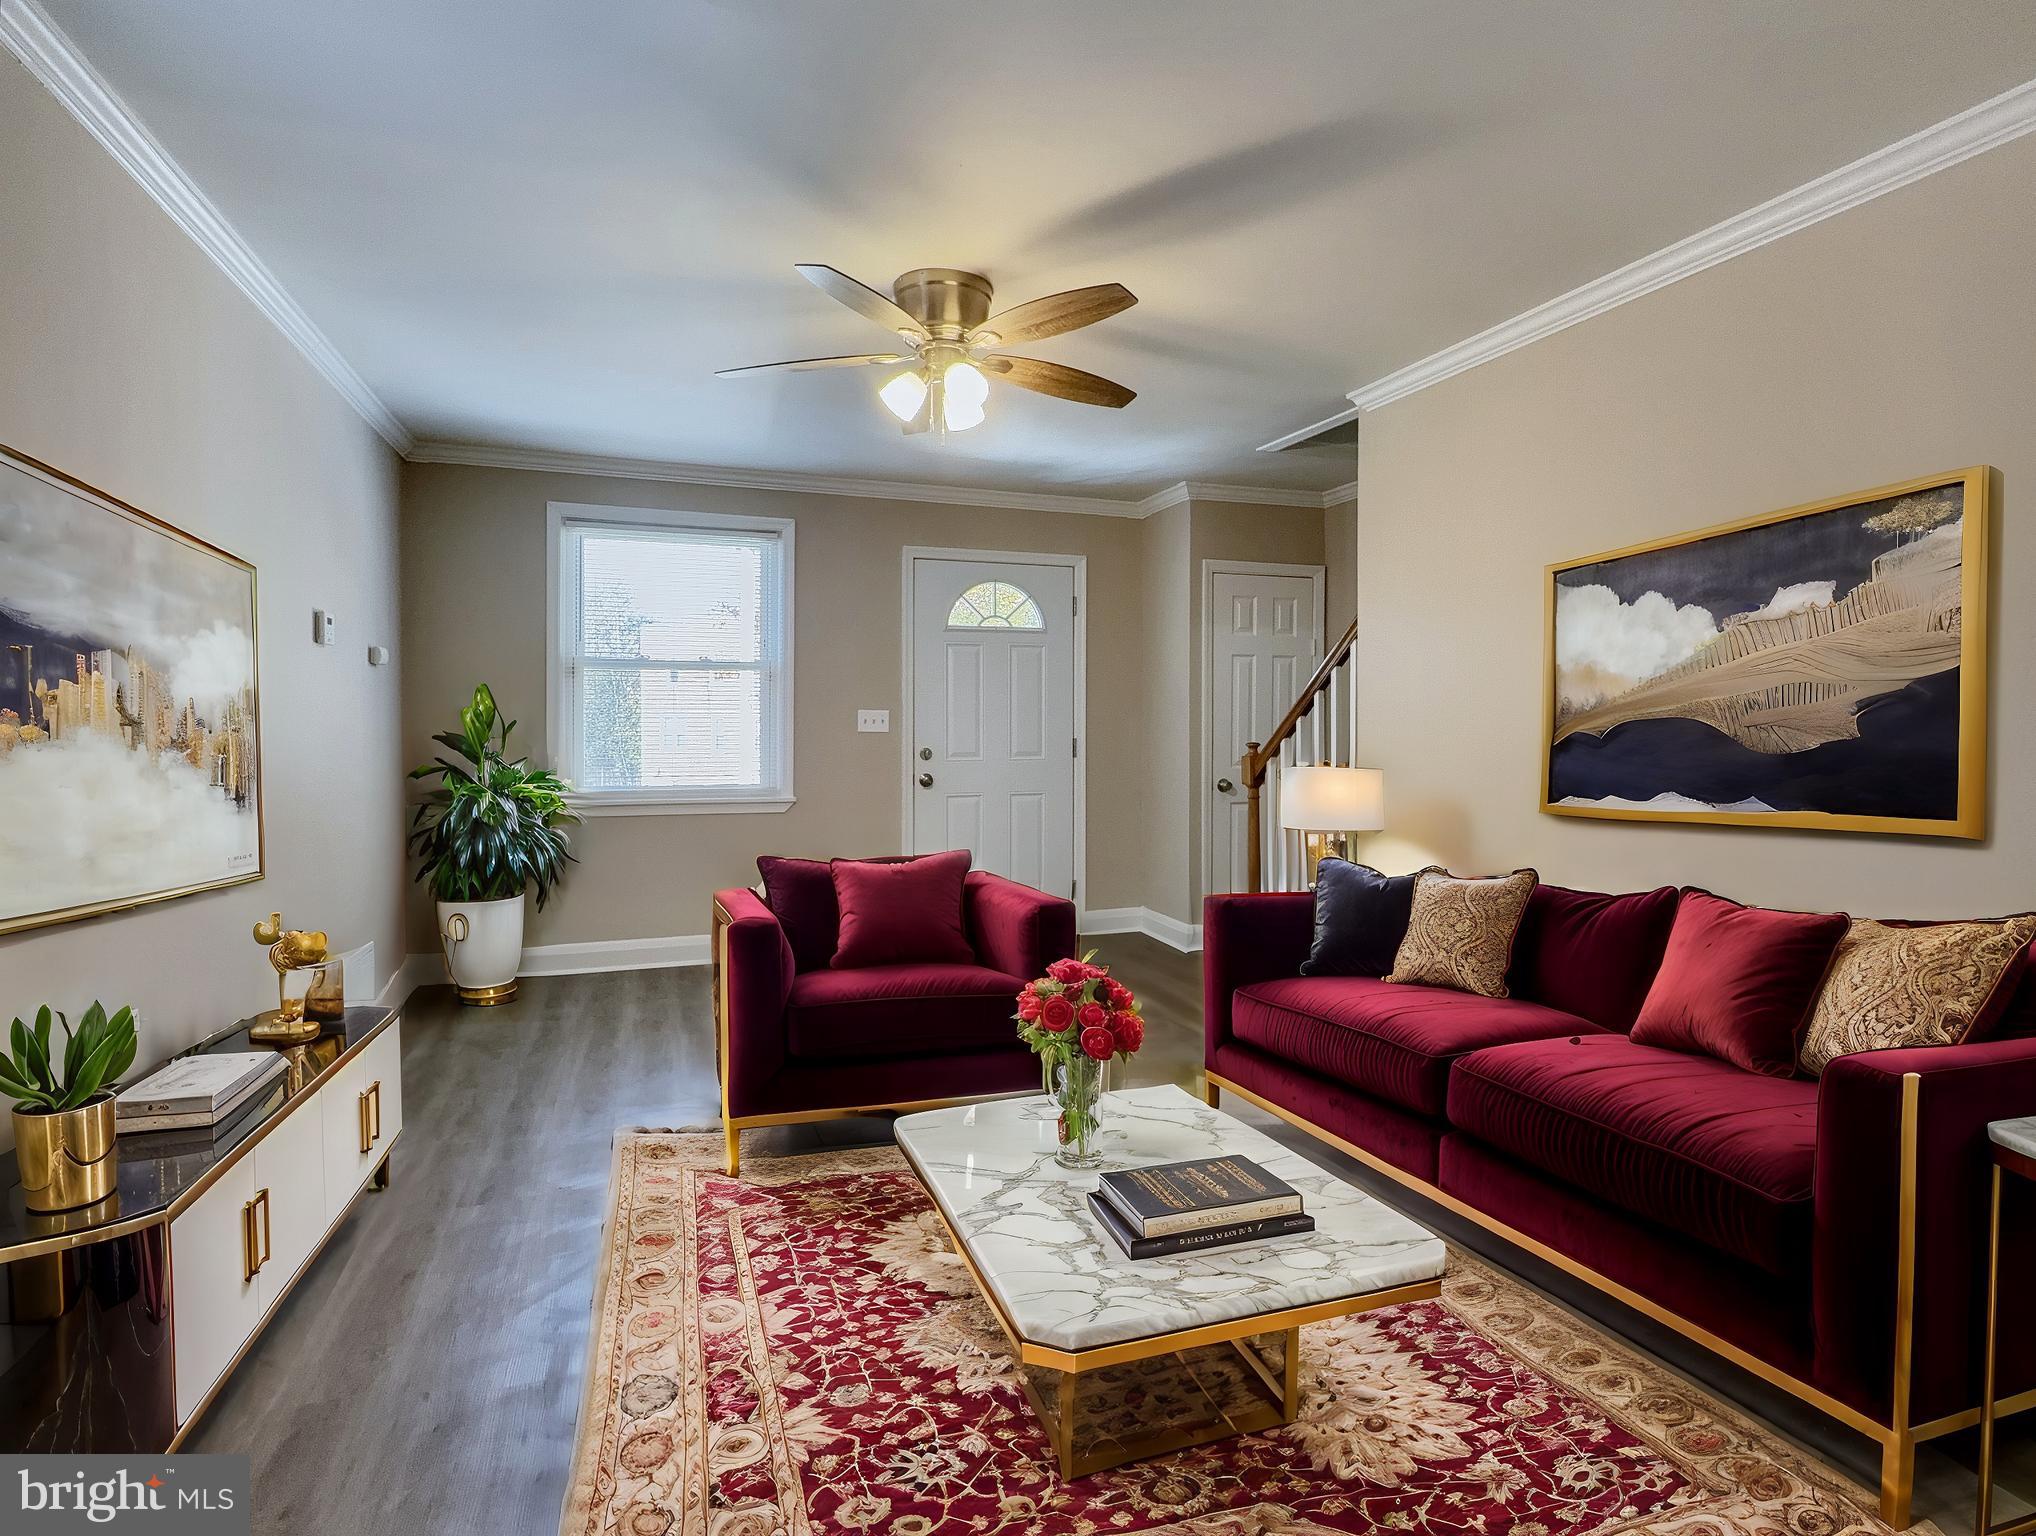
(1460,932)
(1890,986)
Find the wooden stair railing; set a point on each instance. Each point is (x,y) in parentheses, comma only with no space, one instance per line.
(1330,699)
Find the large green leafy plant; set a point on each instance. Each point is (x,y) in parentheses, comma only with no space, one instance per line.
(491,828)
(94,1055)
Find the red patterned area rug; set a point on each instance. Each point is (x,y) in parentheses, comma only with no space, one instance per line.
(799,1352)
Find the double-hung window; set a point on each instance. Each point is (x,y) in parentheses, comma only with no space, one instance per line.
(672,659)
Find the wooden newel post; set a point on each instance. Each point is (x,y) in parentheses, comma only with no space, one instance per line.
(1253,773)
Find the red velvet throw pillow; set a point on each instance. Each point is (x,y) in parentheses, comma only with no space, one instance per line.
(1737,982)
(902,914)
(1591,954)
(800,894)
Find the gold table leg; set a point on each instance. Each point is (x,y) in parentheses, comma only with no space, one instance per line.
(1982,1523)
(1276,1390)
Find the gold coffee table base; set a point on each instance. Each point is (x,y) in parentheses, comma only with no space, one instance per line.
(1232,1390)
(1219,1359)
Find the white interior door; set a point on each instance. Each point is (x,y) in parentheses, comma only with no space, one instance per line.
(1264,644)
(993,716)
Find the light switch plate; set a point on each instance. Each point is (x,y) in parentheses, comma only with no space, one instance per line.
(873,720)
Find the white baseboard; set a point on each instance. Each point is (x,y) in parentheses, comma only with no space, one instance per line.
(566,960)
(415,971)
(614,955)
(1170,931)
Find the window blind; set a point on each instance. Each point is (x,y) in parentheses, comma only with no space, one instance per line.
(674,650)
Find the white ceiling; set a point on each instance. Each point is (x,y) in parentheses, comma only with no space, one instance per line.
(545,225)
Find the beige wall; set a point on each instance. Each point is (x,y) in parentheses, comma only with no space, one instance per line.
(474,562)
(1230,531)
(1895,340)
(1339,555)
(129,361)
(1172,623)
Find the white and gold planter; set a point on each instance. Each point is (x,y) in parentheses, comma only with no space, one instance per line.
(483,946)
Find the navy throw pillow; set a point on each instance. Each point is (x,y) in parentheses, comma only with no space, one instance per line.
(1360,918)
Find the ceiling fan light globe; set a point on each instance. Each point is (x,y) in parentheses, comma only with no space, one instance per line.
(959,414)
(966,384)
(904,395)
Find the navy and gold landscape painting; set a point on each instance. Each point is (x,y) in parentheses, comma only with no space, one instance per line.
(1822,667)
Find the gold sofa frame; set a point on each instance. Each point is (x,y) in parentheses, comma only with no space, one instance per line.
(1897,1439)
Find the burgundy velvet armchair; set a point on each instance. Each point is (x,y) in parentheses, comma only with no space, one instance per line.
(810,1042)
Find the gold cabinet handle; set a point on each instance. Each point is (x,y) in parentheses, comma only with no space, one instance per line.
(375,1090)
(268,1237)
(367,1141)
(250,1264)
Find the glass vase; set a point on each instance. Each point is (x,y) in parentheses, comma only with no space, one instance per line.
(1078,1088)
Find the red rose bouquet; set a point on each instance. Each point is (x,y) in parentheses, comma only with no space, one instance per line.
(1078,1018)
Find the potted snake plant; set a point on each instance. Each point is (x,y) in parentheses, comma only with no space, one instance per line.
(487,833)
(64,1122)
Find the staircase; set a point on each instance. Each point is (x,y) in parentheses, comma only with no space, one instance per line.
(1320,728)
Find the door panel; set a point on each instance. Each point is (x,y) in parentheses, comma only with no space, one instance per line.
(216,1303)
(992,686)
(1262,647)
(290,1165)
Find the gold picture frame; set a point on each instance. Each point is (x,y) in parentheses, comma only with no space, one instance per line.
(223,752)
(1799,686)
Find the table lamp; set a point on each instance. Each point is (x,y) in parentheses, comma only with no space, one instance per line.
(1327,804)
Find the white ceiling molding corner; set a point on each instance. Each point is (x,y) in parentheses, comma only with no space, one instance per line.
(55,61)
(1994,122)
(1252,495)
(1302,434)
(1339,495)
(1173,496)
(544,460)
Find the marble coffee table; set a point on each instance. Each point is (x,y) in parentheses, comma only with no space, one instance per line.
(1214,1334)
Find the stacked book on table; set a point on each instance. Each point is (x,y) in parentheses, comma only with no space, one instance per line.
(1208,1202)
(198,1092)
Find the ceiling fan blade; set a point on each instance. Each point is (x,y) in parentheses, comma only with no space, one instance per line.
(1061,380)
(863,360)
(1054,314)
(865,301)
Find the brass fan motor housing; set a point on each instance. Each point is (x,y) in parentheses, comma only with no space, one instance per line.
(947,301)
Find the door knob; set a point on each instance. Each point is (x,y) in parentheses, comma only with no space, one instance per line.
(926,781)
(1224,786)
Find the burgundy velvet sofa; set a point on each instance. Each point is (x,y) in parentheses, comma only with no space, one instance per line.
(1828,1235)
(816,1043)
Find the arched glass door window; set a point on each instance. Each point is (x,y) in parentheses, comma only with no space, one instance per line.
(995,605)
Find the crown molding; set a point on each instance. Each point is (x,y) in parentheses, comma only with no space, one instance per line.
(1992,123)
(545,460)
(548,461)
(1339,495)
(1302,434)
(54,60)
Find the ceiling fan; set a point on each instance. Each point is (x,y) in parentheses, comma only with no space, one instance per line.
(942,317)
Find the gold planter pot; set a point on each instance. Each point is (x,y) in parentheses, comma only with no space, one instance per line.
(67,1158)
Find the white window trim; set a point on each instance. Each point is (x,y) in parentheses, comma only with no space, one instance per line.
(558,695)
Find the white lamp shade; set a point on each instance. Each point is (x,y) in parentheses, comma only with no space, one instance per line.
(1324,799)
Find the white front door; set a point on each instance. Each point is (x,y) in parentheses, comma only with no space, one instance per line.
(1264,644)
(993,716)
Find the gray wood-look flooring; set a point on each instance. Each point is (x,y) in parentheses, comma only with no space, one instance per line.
(424,1377)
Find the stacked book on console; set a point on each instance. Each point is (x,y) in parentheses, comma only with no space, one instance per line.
(1209,1202)
(199,1090)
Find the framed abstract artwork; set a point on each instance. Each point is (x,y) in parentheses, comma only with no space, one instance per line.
(130,718)
(1822,666)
